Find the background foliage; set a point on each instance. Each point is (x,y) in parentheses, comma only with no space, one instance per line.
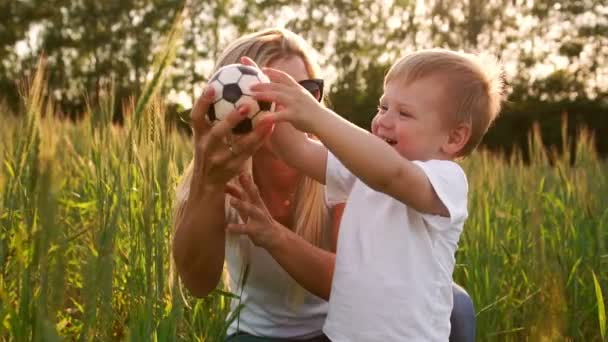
(86,204)
(555,52)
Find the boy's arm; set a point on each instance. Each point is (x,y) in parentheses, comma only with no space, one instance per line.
(300,152)
(376,163)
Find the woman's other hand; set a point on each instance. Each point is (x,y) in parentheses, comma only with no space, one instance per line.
(258,224)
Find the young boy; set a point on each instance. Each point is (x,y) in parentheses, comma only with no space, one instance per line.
(406,197)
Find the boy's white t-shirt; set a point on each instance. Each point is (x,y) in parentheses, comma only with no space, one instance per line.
(270,307)
(393,275)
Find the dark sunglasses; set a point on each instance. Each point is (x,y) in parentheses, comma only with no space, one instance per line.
(313,86)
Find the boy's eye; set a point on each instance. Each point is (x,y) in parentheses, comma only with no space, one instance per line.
(406,114)
(382,108)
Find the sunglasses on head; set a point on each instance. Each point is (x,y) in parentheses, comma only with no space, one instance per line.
(313,86)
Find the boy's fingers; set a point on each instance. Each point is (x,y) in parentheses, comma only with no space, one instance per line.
(199,111)
(274,118)
(271,96)
(279,76)
(268,87)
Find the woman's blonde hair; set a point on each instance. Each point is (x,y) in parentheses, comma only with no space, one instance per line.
(265,47)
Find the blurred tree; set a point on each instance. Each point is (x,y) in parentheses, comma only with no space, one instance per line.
(16,18)
(553,51)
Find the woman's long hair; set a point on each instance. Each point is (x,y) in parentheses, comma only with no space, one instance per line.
(310,212)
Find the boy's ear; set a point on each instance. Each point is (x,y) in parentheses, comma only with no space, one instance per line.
(457,139)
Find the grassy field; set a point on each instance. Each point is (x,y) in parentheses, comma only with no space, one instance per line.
(85,230)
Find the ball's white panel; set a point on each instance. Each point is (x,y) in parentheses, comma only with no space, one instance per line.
(244,78)
(217,87)
(230,74)
(251,103)
(222,109)
(246,82)
(263,78)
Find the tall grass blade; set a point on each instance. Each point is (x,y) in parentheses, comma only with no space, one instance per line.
(601,309)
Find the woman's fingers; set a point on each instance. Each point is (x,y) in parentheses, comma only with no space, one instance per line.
(248,142)
(234,191)
(229,159)
(237,228)
(248,61)
(224,127)
(244,208)
(200,124)
(243,147)
(251,189)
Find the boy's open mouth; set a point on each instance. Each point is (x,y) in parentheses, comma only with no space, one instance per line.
(390,141)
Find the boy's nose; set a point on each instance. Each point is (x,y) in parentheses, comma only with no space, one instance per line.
(386,120)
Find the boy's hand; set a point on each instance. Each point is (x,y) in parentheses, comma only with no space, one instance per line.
(294,103)
(259,224)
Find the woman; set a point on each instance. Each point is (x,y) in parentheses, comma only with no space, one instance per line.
(275,306)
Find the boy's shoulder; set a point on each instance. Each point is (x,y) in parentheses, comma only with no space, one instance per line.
(444,166)
(449,181)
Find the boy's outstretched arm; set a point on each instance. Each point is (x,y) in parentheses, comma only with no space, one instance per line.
(376,163)
(368,157)
(294,147)
(298,151)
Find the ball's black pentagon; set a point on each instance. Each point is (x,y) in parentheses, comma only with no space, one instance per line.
(211,113)
(265,105)
(246,70)
(232,92)
(245,126)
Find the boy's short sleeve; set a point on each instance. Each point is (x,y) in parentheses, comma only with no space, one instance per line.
(338,181)
(450,184)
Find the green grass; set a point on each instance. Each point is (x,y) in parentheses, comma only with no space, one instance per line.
(536,235)
(85,232)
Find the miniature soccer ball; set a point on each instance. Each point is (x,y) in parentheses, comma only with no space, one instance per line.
(232,85)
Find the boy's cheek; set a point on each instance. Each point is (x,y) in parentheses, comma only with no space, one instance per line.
(375,124)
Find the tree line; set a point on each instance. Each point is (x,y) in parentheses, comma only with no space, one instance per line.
(555,53)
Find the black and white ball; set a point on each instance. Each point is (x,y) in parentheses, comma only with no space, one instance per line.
(232,85)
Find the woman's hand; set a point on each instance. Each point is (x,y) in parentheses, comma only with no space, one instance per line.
(218,154)
(262,229)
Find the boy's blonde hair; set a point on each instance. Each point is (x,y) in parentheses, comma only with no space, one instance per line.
(474,85)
